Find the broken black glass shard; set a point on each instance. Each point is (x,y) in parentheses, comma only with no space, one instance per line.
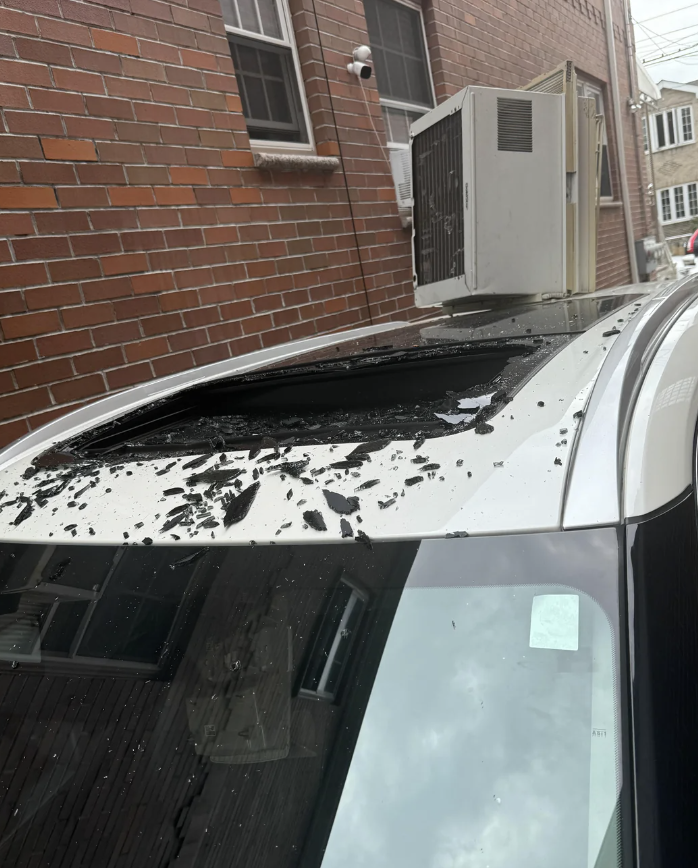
(314,519)
(372,446)
(189,559)
(240,505)
(340,504)
(368,484)
(365,539)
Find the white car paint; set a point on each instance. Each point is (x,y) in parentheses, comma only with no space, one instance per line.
(516,484)
(595,481)
(659,458)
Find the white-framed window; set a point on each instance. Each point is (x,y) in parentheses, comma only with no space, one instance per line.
(403,76)
(584,88)
(335,637)
(89,605)
(679,202)
(267,70)
(672,128)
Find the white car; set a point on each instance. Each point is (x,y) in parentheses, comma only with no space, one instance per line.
(420,595)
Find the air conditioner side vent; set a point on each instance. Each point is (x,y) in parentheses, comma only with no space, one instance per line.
(437,189)
(514,125)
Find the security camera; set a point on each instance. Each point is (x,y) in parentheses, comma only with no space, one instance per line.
(359,67)
(360,70)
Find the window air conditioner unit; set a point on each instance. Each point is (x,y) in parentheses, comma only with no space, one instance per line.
(401,167)
(490,188)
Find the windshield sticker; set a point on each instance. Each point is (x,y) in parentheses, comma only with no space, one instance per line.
(555,622)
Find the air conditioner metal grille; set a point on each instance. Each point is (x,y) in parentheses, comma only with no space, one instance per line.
(514,124)
(437,188)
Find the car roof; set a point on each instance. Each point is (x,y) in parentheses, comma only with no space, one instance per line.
(464,424)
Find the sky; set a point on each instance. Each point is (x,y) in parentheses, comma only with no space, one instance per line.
(663,27)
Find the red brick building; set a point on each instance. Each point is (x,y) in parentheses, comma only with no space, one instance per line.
(158,211)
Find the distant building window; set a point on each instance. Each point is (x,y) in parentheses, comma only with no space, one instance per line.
(666,205)
(687,124)
(692,197)
(334,640)
(266,68)
(401,62)
(645,135)
(679,206)
(672,128)
(679,203)
(584,88)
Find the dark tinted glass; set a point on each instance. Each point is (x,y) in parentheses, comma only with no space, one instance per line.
(568,316)
(606,188)
(319,705)
(268,90)
(663,602)
(661,139)
(398,51)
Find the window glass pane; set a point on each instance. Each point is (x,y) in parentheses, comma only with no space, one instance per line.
(645,138)
(249,19)
(399,53)
(417,84)
(671,132)
(268,90)
(246,59)
(269,15)
(598,99)
(666,205)
(397,124)
(693,200)
(661,139)
(271,65)
(686,125)
(678,202)
(278,102)
(409,31)
(64,626)
(606,188)
(230,13)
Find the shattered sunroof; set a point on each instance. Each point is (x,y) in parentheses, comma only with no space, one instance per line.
(425,383)
(390,393)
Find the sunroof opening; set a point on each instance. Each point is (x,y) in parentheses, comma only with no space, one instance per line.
(397,393)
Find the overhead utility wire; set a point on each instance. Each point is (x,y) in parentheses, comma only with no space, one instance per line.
(672,12)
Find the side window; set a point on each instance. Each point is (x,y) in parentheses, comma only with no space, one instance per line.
(672,127)
(398,48)
(266,68)
(589,90)
(679,203)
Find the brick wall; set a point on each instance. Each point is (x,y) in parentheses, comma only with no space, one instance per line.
(136,237)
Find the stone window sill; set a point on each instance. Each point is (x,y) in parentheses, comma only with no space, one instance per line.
(295,163)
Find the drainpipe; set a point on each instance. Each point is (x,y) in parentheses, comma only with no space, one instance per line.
(617,120)
(631,61)
(660,227)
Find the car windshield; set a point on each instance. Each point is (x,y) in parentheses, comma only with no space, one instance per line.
(442,703)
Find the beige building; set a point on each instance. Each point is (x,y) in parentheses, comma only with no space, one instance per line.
(671,145)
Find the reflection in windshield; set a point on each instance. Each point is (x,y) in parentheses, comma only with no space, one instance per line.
(445,704)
